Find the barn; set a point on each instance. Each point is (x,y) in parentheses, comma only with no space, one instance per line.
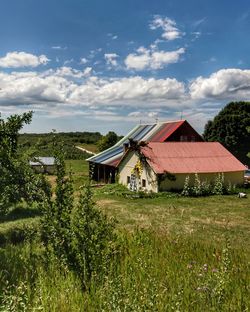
(103,166)
(164,166)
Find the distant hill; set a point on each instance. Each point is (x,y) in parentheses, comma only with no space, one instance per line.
(43,142)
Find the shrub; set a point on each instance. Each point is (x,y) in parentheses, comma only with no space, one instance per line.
(80,236)
(204,188)
(218,187)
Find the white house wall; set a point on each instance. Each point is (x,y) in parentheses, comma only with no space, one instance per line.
(126,169)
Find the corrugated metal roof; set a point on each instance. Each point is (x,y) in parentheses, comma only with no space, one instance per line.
(190,157)
(47,161)
(158,132)
(165,131)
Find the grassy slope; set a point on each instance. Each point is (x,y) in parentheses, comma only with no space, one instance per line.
(208,216)
(170,266)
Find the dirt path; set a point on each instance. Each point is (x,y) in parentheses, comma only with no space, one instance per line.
(85,150)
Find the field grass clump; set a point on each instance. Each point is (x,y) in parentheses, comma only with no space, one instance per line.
(122,191)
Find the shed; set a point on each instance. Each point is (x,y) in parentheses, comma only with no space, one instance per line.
(43,164)
(165,166)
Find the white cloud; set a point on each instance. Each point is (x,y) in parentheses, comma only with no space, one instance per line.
(112,36)
(199,22)
(145,114)
(70,87)
(66,71)
(87,71)
(68,61)
(228,84)
(111,58)
(170,30)
(22,59)
(128,91)
(59,48)
(148,59)
(83,60)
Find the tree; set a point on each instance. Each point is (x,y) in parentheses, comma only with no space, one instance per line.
(248,130)
(79,234)
(107,141)
(229,128)
(18,181)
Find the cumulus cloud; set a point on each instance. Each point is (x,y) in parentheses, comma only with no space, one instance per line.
(128,91)
(170,30)
(111,58)
(224,84)
(71,87)
(139,114)
(151,59)
(70,72)
(22,59)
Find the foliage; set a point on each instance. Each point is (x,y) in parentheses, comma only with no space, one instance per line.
(45,143)
(18,181)
(229,128)
(108,140)
(119,190)
(205,188)
(15,232)
(93,239)
(248,130)
(167,176)
(80,236)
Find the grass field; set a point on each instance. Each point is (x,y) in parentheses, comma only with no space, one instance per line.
(180,254)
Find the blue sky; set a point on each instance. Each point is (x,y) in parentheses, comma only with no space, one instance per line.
(108,65)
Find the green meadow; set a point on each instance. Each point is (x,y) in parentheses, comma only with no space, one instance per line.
(176,254)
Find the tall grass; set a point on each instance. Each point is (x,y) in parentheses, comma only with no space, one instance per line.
(155,272)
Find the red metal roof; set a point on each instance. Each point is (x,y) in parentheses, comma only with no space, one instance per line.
(190,157)
(166,130)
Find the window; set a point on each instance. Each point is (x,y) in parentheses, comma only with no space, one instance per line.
(143,183)
(183,138)
(128,179)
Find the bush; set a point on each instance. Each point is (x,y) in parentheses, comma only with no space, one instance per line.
(17,231)
(80,236)
(204,188)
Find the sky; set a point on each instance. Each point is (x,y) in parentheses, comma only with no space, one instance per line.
(109,65)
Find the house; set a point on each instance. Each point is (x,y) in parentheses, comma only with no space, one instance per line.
(43,164)
(161,166)
(103,166)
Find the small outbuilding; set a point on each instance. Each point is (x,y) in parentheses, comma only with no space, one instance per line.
(164,166)
(43,164)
